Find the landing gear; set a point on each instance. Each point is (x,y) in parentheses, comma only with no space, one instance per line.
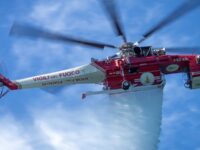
(188,84)
(125,85)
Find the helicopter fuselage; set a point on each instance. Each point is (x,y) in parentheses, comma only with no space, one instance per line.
(118,75)
(142,71)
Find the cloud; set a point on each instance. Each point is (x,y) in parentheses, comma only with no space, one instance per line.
(179,116)
(13,136)
(60,17)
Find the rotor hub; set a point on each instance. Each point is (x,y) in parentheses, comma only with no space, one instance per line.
(130,49)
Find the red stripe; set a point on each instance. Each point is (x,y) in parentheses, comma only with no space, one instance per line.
(11,85)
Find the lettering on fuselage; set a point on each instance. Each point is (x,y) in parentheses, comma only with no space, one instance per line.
(69,74)
(82,79)
(60,75)
(180,59)
(52,83)
(41,78)
(65,81)
(76,80)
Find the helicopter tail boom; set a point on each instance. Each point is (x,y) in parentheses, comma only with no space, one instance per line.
(80,75)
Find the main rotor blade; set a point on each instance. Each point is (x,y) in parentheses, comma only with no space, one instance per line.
(113,13)
(188,50)
(182,10)
(183,50)
(34,32)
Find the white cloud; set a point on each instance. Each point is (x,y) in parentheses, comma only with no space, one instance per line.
(13,136)
(60,16)
(174,118)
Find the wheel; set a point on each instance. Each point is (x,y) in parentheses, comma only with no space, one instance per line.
(125,85)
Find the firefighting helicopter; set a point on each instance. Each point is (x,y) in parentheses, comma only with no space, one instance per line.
(133,68)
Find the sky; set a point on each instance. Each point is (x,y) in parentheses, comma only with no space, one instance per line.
(34,119)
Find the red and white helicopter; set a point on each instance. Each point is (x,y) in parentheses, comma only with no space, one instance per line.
(133,68)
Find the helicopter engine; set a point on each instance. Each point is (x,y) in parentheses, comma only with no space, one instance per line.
(138,51)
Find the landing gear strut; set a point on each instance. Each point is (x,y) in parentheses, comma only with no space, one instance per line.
(125,85)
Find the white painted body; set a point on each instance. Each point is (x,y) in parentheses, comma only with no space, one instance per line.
(79,75)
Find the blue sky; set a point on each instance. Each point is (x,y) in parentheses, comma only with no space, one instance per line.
(26,112)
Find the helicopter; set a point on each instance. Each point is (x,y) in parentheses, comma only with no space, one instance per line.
(133,68)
